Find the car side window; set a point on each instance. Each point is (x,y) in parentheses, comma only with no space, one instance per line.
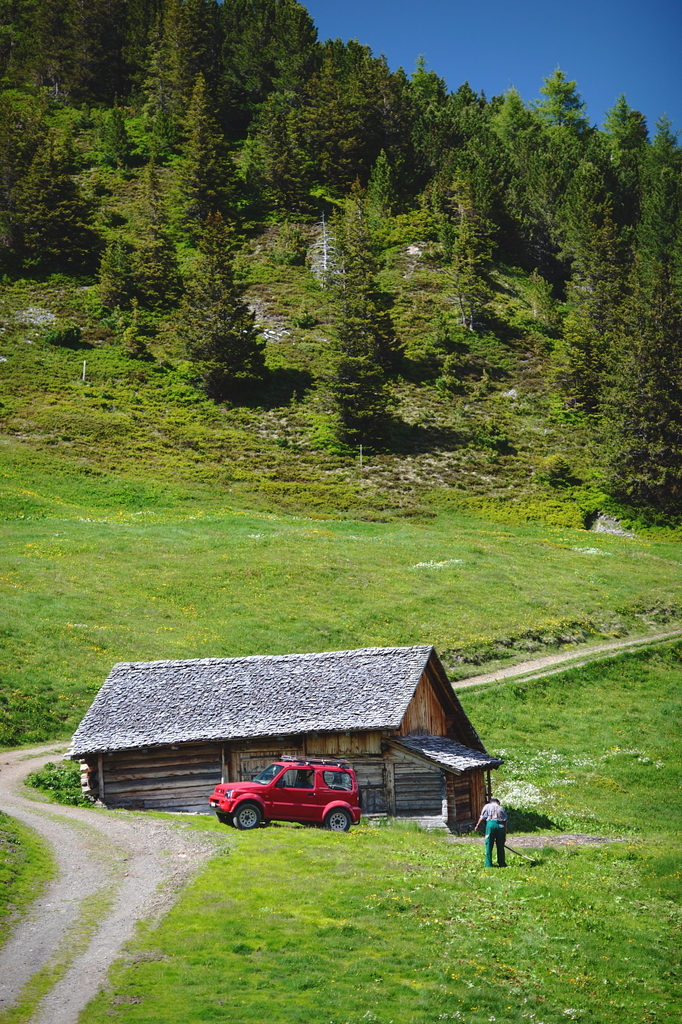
(338,780)
(297,778)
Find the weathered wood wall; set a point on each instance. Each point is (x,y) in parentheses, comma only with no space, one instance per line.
(425,713)
(163,778)
(181,778)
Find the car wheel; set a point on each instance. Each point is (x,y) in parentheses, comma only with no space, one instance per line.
(247,816)
(224,819)
(338,820)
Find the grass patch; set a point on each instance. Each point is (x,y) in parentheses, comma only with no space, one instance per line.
(392,925)
(26,867)
(591,748)
(111,569)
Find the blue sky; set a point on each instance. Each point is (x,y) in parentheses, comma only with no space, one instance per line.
(608,47)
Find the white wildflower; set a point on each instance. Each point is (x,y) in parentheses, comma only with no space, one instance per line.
(438,565)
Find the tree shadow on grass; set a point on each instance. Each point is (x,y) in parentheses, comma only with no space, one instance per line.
(528,821)
(280,387)
(400,438)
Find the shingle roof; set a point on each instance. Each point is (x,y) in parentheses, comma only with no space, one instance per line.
(446,753)
(161,702)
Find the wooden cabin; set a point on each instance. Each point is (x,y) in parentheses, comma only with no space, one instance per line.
(161,734)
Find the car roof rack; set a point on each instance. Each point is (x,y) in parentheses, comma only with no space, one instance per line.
(333,761)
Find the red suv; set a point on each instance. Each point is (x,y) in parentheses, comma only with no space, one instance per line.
(310,791)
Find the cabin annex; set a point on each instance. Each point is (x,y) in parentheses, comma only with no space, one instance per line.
(160,735)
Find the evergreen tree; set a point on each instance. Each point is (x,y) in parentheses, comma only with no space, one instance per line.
(22,130)
(353,108)
(268,46)
(51,214)
(626,138)
(597,287)
(116,281)
(218,328)
(133,340)
(381,192)
(274,159)
(364,325)
(157,277)
(97,71)
(644,403)
(114,141)
(467,249)
(367,344)
(202,41)
(207,179)
(659,233)
(167,86)
(562,105)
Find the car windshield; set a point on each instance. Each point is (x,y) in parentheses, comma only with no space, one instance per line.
(268,774)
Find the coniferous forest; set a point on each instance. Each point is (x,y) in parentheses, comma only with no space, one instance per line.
(301,251)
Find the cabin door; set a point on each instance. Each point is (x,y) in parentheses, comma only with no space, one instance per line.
(372,782)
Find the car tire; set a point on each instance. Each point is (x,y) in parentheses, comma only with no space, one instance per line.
(247,816)
(338,820)
(224,819)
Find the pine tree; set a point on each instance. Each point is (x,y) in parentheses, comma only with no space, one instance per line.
(51,214)
(659,232)
(97,73)
(274,159)
(133,341)
(114,141)
(166,87)
(22,131)
(467,248)
(644,404)
(381,192)
(157,277)
(268,46)
(218,328)
(364,325)
(207,179)
(562,106)
(626,137)
(367,344)
(116,282)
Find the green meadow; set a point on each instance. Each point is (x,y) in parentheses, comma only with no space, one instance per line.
(100,568)
(397,926)
(385,924)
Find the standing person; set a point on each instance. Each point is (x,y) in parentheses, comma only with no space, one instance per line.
(495,818)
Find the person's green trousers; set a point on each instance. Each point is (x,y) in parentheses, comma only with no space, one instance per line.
(494,836)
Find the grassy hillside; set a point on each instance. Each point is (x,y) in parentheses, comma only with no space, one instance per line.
(392,925)
(494,437)
(98,567)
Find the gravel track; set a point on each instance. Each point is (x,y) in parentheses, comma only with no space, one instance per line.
(567,659)
(115,868)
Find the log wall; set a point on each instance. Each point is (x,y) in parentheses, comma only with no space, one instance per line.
(182,778)
(162,778)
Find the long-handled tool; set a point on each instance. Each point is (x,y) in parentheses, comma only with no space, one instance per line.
(512,850)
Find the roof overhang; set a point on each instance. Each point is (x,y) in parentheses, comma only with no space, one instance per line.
(456,750)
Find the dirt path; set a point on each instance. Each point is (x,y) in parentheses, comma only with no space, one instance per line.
(566,659)
(114,869)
